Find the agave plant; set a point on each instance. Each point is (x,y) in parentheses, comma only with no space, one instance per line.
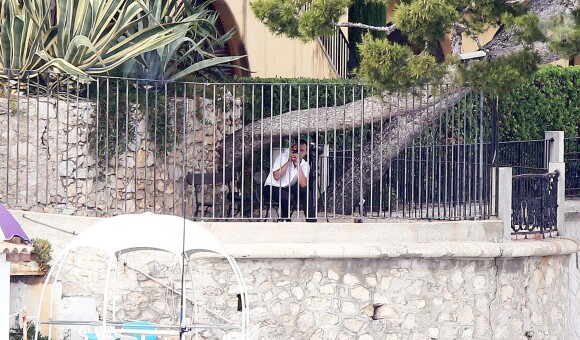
(193,47)
(20,40)
(84,37)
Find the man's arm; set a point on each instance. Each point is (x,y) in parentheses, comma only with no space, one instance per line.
(281,169)
(303,177)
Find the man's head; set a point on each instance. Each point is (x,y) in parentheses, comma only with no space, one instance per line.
(301,148)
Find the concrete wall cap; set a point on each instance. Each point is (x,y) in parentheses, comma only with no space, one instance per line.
(442,250)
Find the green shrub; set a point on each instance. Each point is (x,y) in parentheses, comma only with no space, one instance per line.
(42,253)
(16,333)
(550,102)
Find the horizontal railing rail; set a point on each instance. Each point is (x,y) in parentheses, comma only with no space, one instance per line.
(212,150)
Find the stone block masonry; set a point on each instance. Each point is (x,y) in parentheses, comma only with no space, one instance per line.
(50,160)
(371,289)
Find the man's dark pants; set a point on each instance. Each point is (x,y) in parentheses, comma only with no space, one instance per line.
(287,195)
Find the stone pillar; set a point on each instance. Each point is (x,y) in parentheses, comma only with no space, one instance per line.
(4,296)
(555,148)
(504,208)
(556,162)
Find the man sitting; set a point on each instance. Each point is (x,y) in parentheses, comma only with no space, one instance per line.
(288,182)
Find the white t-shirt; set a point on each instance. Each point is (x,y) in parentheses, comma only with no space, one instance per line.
(290,176)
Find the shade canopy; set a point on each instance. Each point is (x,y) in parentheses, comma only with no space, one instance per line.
(9,227)
(148,231)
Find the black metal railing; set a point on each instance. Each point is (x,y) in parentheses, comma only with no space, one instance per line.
(112,146)
(572,160)
(336,49)
(525,157)
(535,204)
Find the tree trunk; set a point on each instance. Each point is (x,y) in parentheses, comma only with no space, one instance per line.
(362,112)
(400,125)
(345,196)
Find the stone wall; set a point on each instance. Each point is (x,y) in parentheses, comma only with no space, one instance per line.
(48,154)
(420,290)
(572,229)
(351,298)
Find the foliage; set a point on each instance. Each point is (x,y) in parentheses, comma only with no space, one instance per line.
(501,75)
(404,70)
(80,38)
(370,13)
(550,102)
(20,39)
(304,19)
(16,333)
(189,53)
(396,66)
(425,20)
(42,253)
(564,33)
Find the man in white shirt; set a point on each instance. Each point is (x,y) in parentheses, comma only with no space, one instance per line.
(288,182)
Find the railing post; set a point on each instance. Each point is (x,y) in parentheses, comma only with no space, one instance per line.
(555,151)
(504,198)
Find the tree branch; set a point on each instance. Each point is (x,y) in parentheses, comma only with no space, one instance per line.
(387,29)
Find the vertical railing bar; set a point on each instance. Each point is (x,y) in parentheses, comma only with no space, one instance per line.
(77,95)
(396,157)
(193,151)
(213,161)
(147,128)
(136,133)
(36,189)
(184,150)
(408,201)
(362,117)
(445,201)
(164,150)
(480,177)
(28,138)
(321,183)
(203,150)
(97,142)
(281,92)
(425,159)
(174,147)
(116,145)
(262,152)
(243,116)
(334,157)
(417,160)
(470,154)
(8,95)
(155,146)
(107,192)
(17,116)
(372,158)
(298,143)
(67,176)
(352,204)
(126,179)
(381,212)
(433,121)
(252,174)
(87,147)
(298,203)
(57,163)
(343,146)
(224,195)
